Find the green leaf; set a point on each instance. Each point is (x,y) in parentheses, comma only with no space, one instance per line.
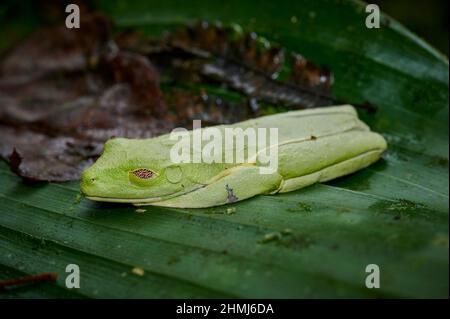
(314,242)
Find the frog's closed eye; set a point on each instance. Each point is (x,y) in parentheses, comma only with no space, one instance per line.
(142,176)
(143,173)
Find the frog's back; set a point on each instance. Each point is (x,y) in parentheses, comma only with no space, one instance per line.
(304,124)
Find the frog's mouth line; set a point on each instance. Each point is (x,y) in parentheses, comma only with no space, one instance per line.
(142,200)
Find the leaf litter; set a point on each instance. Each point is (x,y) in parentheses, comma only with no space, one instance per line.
(64,92)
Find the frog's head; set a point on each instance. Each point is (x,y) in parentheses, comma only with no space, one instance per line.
(135,171)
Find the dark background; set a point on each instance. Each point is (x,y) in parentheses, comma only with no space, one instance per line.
(426,18)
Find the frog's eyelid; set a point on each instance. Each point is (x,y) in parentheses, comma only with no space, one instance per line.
(144,173)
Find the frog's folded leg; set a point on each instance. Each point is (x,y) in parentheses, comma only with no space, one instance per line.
(239,183)
(322,159)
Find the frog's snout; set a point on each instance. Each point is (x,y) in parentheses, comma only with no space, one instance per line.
(88,182)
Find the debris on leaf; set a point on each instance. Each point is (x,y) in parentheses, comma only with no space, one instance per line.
(403,208)
(231,210)
(46,277)
(301,208)
(286,238)
(271,237)
(138,271)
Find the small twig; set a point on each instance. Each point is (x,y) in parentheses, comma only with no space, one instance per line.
(52,276)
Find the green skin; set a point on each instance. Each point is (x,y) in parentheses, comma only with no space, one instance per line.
(315,145)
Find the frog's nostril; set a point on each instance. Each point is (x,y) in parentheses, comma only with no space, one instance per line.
(93,179)
(88,183)
(89,178)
